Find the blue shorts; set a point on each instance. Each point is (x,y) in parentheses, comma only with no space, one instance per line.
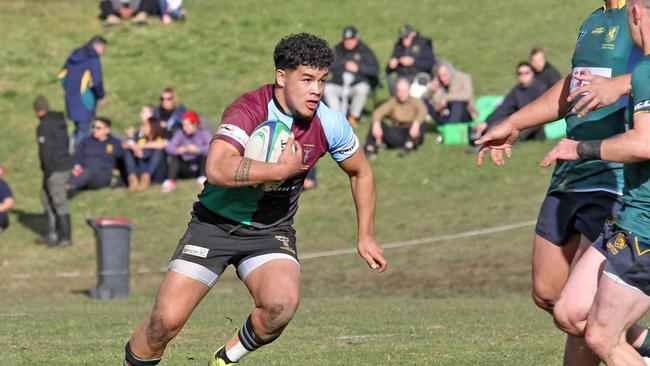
(628,256)
(564,214)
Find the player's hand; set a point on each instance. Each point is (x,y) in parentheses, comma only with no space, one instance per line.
(290,160)
(564,150)
(373,254)
(599,92)
(498,140)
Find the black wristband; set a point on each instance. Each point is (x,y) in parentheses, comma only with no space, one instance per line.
(589,149)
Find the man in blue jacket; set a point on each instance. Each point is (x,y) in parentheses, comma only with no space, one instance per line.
(412,54)
(82,81)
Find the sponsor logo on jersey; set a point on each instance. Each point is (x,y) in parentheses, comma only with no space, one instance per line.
(350,148)
(234,132)
(617,244)
(306,150)
(285,243)
(109,148)
(195,251)
(642,106)
(598,30)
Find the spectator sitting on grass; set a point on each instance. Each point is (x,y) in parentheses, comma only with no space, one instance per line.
(170,111)
(451,98)
(171,10)
(544,71)
(113,12)
(527,90)
(406,114)
(95,158)
(6,201)
(144,156)
(187,152)
(412,54)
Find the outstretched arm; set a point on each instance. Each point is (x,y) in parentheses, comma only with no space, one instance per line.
(362,184)
(628,147)
(226,167)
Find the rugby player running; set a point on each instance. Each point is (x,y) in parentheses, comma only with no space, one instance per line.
(235,223)
(623,295)
(583,194)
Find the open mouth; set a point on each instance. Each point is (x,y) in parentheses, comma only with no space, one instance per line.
(312,104)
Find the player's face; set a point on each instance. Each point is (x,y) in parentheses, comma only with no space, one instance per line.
(302,89)
(633,24)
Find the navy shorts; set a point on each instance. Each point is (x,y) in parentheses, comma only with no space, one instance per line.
(564,214)
(628,256)
(211,243)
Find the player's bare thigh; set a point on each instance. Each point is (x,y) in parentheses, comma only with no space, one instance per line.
(551,266)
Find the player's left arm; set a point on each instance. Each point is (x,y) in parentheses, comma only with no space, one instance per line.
(629,147)
(363,188)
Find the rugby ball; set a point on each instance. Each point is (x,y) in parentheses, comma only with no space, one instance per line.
(265,144)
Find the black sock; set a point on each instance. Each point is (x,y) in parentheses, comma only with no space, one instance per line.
(134,360)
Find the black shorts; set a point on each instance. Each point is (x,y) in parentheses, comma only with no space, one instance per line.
(628,257)
(564,214)
(211,243)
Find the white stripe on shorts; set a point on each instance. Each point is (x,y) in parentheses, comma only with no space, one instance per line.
(193,270)
(610,272)
(250,264)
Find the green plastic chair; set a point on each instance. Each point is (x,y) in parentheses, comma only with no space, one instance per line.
(458,133)
(555,130)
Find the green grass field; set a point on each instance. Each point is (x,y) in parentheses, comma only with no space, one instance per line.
(449,302)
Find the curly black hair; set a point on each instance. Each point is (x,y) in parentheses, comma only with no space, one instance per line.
(302,49)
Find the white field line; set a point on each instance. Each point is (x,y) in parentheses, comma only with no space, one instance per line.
(323,254)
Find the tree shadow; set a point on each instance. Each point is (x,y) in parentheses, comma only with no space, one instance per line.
(36,222)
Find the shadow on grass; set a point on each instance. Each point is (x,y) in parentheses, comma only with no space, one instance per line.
(36,222)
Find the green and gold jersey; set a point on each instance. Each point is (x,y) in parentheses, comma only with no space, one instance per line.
(635,212)
(604,47)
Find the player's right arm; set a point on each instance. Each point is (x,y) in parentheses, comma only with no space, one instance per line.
(226,167)
(549,107)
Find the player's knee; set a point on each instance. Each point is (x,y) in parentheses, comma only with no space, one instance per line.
(598,343)
(279,312)
(163,327)
(569,317)
(544,299)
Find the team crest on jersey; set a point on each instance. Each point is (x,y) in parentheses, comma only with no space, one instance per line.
(109,148)
(611,34)
(598,30)
(357,57)
(617,244)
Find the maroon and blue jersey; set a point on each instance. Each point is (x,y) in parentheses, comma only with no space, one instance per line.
(327,131)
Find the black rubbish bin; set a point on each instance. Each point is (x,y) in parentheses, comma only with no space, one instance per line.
(113,247)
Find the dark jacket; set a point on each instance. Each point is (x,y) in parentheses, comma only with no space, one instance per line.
(363,56)
(82,82)
(173,121)
(518,97)
(98,155)
(548,76)
(53,143)
(421,49)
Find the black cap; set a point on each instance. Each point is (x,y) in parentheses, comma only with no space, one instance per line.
(40,104)
(349,32)
(405,30)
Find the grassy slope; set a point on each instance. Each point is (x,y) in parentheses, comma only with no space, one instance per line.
(452,302)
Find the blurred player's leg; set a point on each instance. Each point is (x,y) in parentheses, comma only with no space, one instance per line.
(177,297)
(617,307)
(275,287)
(551,265)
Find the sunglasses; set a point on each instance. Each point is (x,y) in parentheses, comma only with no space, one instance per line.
(164,98)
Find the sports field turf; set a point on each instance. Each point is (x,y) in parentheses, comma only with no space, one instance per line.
(449,302)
